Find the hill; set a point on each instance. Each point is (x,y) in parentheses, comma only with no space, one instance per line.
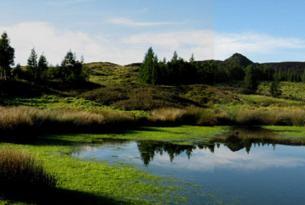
(238,60)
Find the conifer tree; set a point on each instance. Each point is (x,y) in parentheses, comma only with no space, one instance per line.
(42,67)
(250,80)
(275,89)
(175,57)
(149,69)
(7,55)
(32,66)
(71,69)
(192,59)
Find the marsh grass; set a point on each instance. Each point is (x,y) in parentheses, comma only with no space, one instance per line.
(24,121)
(271,116)
(22,175)
(249,116)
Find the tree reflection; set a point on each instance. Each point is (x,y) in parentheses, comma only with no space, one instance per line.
(149,149)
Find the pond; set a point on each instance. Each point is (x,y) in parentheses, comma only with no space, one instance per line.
(227,173)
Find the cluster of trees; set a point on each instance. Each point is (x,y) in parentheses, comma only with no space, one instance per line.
(236,69)
(179,71)
(38,69)
(176,71)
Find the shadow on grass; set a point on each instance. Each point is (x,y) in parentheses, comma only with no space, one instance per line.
(61,197)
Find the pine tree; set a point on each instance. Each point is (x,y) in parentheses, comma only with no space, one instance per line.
(148,70)
(155,71)
(71,69)
(32,66)
(250,80)
(175,57)
(7,55)
(192,59)
(275,89)
(42,67)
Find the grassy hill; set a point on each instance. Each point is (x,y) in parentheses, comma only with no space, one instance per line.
(116,99)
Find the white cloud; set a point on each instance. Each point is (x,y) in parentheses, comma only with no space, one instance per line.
(132,23)
(205,44)
(55,43)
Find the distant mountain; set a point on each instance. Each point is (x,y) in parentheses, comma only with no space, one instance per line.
(238,60)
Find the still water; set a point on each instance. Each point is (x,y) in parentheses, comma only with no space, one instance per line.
(229,173)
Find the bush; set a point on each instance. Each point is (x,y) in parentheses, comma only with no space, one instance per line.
(20,173)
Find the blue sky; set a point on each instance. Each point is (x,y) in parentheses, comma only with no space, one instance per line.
(122,30)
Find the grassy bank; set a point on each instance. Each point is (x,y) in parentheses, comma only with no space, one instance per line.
(81,182)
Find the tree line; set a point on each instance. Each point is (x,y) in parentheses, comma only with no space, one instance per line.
(38,69)
(234,70)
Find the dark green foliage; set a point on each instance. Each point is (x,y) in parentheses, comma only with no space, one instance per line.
(32,66)
(7,55)
(238,60)
(251,79)
(177,71)
(42,67)
(303,76)
(17,72)
(16,88)
(71,70)
(149,71)
(275,89)
(37,68)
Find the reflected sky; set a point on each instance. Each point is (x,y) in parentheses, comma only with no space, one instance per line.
(252,174)
(195,158)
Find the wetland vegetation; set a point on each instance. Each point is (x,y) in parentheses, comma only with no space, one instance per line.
(56,122)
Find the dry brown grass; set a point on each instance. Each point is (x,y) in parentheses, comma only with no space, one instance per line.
(191,115)
(243,116)
(271,116)
(168,114)
(28,120)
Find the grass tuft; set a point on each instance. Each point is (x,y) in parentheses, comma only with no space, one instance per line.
(21,174)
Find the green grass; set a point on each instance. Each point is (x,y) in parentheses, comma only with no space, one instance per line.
(290,90)
(117,183)
(179,135)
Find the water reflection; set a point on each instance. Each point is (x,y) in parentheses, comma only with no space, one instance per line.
(239,168)
(149,149)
